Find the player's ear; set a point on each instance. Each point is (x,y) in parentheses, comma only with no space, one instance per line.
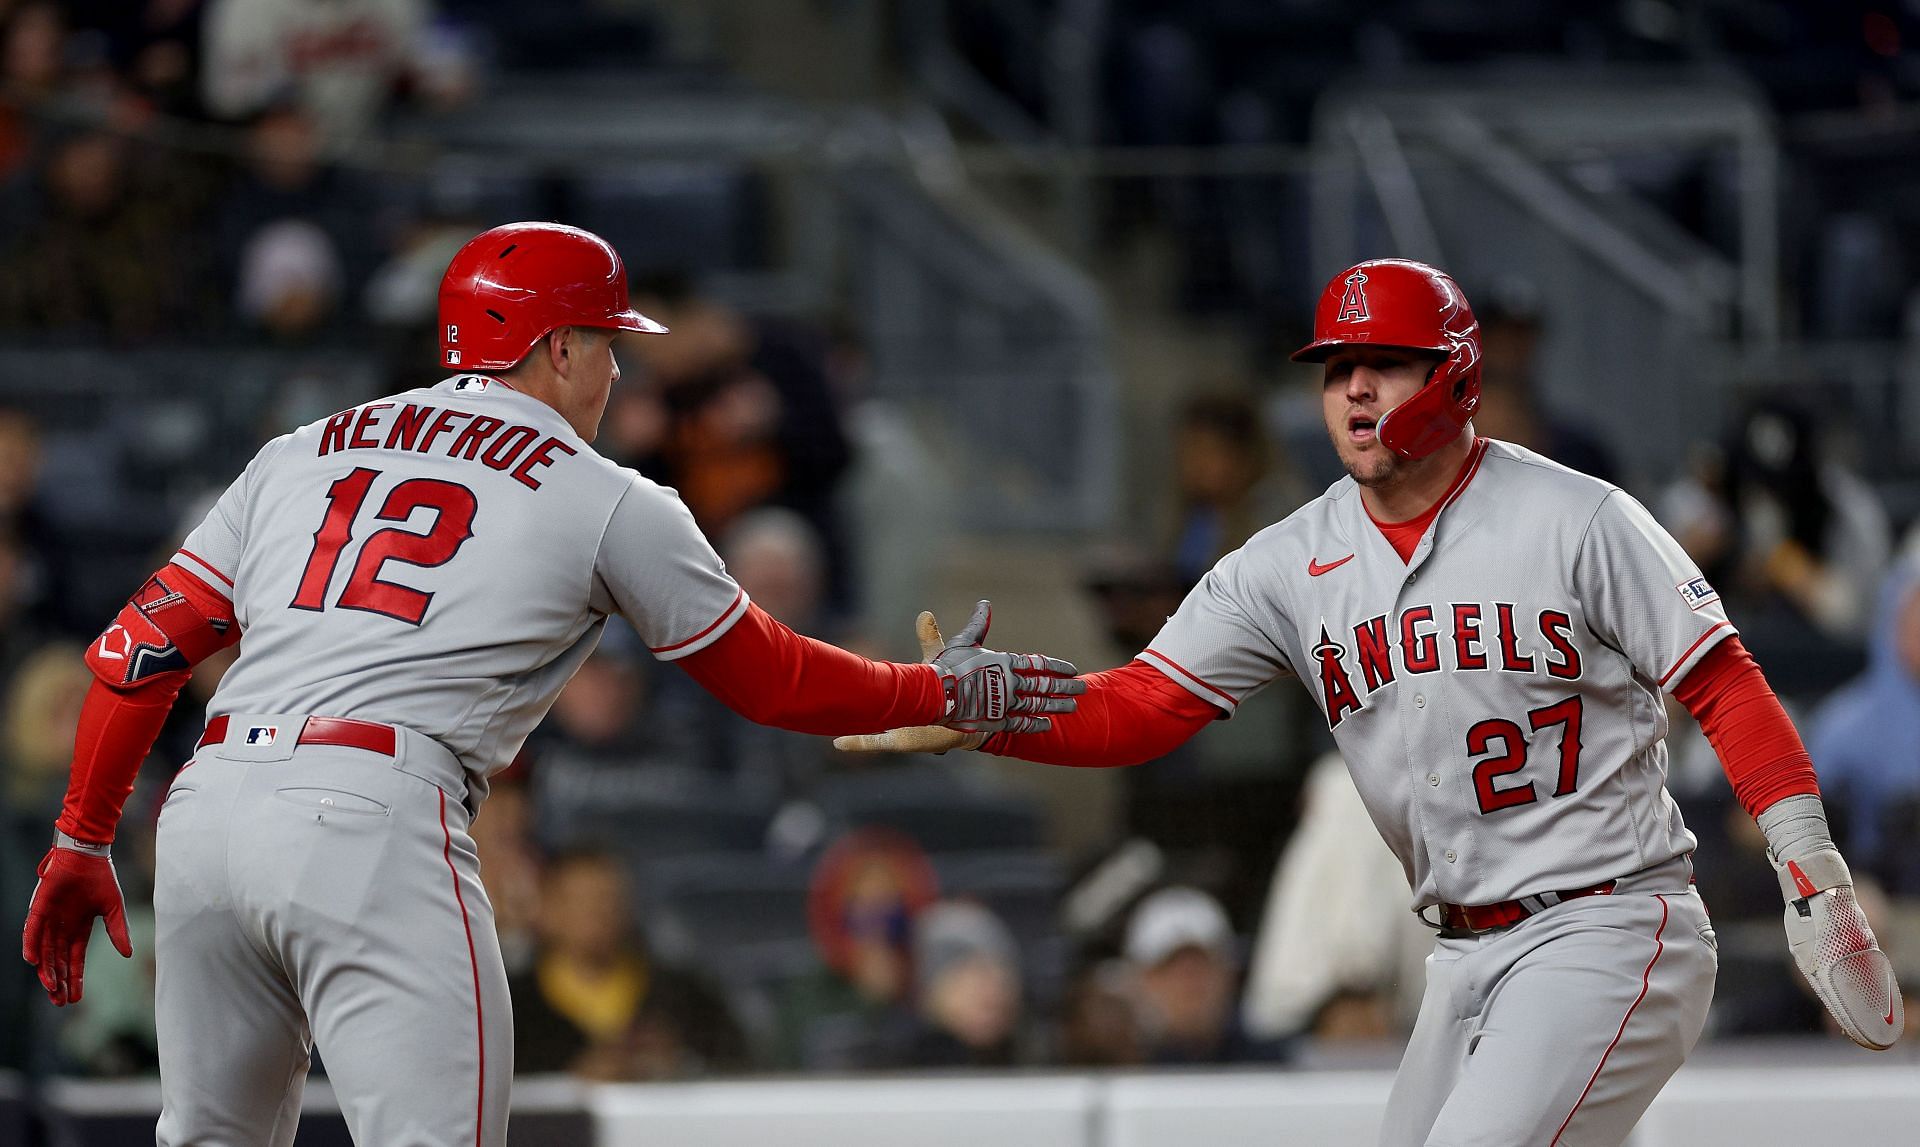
(559,348)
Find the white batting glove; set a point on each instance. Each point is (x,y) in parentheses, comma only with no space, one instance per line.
(1835,949)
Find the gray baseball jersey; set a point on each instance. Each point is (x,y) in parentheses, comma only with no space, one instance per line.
(1497,696)
(441,562)
(444,560)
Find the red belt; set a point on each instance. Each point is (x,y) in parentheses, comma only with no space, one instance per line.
(1507,913)
(344,731)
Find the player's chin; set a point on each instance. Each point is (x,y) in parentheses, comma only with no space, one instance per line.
(1369,466)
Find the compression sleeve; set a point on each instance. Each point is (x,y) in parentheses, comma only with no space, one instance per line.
(1753,736)
(767,673)
(1127,716)
(139,665)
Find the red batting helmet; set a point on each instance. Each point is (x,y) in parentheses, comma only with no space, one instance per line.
(510,287)
(1405,305)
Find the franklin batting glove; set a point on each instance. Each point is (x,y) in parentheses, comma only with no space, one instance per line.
(989,692)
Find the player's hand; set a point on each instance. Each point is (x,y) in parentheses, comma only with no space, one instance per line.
(989,692)
(1835,949)
(76,886)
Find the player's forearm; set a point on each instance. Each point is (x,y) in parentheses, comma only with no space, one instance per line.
(117,730)
(1127,716)
(767,673)
(1754,738)
(139,665)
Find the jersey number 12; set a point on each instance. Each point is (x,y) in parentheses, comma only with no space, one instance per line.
(453,505)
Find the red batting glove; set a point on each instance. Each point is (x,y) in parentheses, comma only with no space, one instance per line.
(76,885)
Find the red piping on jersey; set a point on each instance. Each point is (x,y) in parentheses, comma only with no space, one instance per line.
(473,961)
(208,566)
(1193,677)
(1466,472)
(1646,979)
(724,614)
(1717,627)
(1405,536)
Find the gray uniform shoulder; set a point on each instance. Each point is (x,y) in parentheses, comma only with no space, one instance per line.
(1567,490)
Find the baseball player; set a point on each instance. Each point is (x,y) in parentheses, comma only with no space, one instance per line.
(1488,635)
(411,582)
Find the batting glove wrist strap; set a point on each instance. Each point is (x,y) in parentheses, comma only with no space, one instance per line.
(1835,949)
(62,840)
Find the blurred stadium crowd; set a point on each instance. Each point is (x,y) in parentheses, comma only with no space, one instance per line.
(682,893)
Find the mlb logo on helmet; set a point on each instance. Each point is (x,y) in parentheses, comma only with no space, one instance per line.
(1698,593)
(262,734)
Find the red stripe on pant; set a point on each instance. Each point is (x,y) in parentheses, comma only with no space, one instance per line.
(1646,978)
(473,961)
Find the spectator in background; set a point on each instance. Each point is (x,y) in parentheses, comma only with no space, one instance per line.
(1182,952)
(752,419)
(341,61)
(778,559)
(1101,1026)
(155,44)
(42,711)
(1788,532)
(510,868)
(1337,955)
(596,1004)
(1227,486)
(100,258)
(1865,741)
(290,280)
(32,44)
(868,889)
(1510,405)
(967,975)
(285,176)
(31,558)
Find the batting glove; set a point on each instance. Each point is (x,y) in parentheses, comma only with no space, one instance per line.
(989,692)
(77,884)
(1835,949)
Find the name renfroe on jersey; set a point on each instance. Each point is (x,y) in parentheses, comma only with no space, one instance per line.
(416,426)
(1412,639)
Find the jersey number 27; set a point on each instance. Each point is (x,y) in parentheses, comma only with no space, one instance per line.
(453,505)
(1511,756)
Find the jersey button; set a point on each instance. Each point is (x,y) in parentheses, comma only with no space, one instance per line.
(1452,856)
(1419,700)
(1433,779)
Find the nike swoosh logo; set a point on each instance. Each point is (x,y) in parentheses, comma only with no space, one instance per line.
(1315,569)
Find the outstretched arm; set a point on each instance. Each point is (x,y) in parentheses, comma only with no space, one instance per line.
(768,673)
(1127,716)
(1773,779)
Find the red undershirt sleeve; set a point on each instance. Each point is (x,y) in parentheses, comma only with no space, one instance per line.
(1753,736)
(1127,716)
(769,674)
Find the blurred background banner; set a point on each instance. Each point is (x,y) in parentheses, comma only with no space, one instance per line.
(980,298)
